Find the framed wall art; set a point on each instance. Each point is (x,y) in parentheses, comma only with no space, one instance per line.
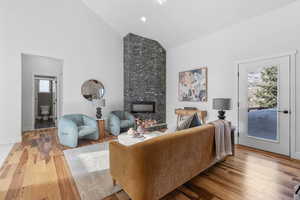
(192,85)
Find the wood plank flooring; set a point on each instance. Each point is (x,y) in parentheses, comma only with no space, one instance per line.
(36,170)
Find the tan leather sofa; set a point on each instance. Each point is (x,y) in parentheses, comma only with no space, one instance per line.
(149,170)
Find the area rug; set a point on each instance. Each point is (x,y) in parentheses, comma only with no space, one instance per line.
(89,166)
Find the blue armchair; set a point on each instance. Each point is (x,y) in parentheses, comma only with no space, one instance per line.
(118,121)
(74,127)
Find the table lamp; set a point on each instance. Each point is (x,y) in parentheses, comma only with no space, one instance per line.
(222,104)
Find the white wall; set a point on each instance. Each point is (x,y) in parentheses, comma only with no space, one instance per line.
(271,34)
(32,66)
(63,29)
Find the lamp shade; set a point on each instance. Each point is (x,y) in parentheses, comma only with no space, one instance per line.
(99,102)
(222,104)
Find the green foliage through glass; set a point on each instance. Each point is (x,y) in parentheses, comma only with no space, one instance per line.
(266,93)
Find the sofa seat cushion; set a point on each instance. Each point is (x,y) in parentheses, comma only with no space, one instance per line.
(126,123)
(86,130)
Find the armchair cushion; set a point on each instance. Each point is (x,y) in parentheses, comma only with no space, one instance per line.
(89,121)
(86,130)
(77,119)
(118,120)
(119,114)
(129,117)
(126,123)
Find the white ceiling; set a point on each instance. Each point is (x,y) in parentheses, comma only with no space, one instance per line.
(178,21)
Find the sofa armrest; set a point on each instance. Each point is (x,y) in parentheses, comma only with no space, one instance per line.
(119,159)
(117,153)
(127,167)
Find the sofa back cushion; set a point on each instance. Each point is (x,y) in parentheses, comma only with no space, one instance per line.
(119,114)
(77,118)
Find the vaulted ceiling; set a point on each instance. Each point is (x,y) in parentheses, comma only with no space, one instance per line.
(174,22)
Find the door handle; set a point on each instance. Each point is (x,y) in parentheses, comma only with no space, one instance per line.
(283,111)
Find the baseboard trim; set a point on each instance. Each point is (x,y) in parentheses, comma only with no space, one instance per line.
(295,155)
(236,140)
(12,141)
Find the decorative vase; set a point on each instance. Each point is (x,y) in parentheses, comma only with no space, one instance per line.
(99,113)
(131,132)
(140,130)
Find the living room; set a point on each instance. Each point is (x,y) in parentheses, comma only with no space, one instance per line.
(140,56)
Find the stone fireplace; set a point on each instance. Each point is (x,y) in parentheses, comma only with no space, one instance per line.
(143,107)
(144,78)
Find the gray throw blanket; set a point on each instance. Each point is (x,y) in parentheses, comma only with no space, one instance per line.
(222,138)
(297,192)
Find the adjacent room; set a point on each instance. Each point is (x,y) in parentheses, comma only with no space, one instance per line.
(149,100)
(41,92)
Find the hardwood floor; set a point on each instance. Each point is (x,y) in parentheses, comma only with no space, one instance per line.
(36,170)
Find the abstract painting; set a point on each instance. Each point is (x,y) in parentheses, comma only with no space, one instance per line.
(193,85)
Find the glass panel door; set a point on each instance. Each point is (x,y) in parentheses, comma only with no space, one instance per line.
(262,103)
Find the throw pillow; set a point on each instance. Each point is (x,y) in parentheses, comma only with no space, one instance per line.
(185,124)
(190,122)
(195,121)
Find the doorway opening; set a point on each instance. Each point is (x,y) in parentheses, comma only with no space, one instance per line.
(45,102)
(41,92)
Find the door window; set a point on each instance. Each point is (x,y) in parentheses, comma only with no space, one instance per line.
(262,103)
(44,86)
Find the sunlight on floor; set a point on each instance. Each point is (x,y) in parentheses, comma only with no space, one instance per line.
(262,182)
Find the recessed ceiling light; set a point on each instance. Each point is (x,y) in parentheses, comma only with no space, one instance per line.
(161,2)
(143,19)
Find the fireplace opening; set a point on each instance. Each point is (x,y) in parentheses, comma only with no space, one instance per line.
(143,107)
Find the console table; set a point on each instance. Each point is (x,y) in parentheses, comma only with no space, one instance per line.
(183,112)
(202,114)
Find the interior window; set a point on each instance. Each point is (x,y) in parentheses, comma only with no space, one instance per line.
(44,86)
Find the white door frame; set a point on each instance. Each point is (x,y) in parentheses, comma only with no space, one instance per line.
(58,75)
(292,56)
